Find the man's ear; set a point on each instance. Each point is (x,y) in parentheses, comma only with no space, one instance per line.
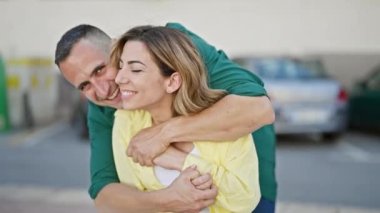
(173,83)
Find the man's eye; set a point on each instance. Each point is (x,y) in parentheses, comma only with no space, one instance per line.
(136,70)
(84,87)
(100,70)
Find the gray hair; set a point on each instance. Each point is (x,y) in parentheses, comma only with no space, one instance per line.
(75,34)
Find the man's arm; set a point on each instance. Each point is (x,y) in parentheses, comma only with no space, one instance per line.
(180,196)
(102,165)
(231,117)
(245,111)
(112,196)
(228,119)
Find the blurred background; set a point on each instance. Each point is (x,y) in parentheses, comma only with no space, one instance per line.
(320,61)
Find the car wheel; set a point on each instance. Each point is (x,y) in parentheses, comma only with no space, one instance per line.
(331,137)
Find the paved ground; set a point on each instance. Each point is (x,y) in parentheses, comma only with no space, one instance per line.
(46,170)
(14,199)
(345,173)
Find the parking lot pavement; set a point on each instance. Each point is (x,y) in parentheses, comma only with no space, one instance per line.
(31,199)
(286,207)
(38,176)
(35,207)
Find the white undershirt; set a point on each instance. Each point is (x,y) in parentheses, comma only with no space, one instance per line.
(167,176)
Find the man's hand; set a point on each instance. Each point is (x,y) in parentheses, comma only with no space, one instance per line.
(148,144)
(186,197)
(181,196)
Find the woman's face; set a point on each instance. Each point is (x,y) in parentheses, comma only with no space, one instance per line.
(142,86)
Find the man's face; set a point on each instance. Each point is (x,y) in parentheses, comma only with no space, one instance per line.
(87,69)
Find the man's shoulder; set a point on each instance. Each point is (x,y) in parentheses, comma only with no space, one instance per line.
(208,52)
(100,112)
(97,108)
(175,25)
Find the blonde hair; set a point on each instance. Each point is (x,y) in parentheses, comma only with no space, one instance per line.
(174,52)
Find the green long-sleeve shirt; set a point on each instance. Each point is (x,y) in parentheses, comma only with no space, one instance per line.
(222,74)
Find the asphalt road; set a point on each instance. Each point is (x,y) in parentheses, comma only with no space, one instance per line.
(50,156)
(345,173)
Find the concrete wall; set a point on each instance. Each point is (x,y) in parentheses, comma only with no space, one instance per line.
(347,30)
(32,91)
(295,26)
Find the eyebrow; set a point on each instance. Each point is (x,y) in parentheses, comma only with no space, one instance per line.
(139,62)
(98,67)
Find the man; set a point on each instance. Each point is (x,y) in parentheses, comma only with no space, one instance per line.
(82,56)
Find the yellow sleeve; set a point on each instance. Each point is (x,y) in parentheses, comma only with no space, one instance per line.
(236,176)
(120,140)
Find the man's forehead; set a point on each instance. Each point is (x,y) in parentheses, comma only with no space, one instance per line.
(87,48)
(85,55)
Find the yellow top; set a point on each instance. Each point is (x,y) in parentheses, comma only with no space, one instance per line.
(232,164)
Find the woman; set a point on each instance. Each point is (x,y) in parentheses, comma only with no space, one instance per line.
(161,76)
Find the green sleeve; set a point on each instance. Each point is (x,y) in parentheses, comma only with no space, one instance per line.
(222,72)
(102,166)
(227,75)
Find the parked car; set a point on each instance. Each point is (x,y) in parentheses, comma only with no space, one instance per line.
(306,100)
(364,103)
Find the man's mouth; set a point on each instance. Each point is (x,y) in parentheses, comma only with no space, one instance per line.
(114,94)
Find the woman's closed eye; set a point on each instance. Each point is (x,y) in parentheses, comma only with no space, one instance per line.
(120,65)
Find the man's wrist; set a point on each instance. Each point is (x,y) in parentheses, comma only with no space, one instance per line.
(175,129)
(164,200)
(170,130)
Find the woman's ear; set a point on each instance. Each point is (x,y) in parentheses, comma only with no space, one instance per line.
(173,83)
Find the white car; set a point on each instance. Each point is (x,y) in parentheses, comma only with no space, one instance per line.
(306,100)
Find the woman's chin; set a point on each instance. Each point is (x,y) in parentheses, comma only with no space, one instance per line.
(128,106)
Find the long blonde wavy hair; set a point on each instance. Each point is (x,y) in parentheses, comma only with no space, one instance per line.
(174,52)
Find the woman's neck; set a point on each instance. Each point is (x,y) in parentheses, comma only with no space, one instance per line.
(161,112)
(159,117)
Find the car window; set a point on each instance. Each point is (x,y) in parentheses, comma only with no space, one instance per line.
(316,67)
(284,69)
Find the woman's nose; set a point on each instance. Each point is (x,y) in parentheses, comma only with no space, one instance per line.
(121,77)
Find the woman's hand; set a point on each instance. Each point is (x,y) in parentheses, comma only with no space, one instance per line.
(202,182)
(172,158)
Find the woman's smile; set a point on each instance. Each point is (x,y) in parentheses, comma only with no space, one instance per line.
(127,94)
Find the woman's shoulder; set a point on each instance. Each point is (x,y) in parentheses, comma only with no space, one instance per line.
(134,119)
(132,114)
(241,142)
